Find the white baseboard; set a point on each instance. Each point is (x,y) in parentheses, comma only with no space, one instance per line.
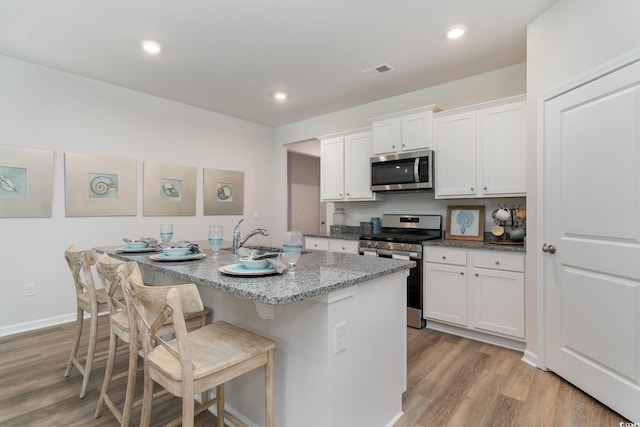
(395,419)
(531,358)
(40,323)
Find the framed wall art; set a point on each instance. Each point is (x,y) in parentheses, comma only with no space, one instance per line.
(169,190)
(465,223)
(223,192)
(100,185)
(26,182)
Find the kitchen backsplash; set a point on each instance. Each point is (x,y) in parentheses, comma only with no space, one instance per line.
(419,203)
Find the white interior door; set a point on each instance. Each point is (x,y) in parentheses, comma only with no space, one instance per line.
(591,217)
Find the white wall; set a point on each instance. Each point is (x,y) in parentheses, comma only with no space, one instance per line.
(48,109)
(571,38)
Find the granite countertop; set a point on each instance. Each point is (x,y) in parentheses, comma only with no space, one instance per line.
(317,273)
(486,245)
(464,244)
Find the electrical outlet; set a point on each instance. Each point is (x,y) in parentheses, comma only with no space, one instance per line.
(256,215)
(29,289)
(341,337)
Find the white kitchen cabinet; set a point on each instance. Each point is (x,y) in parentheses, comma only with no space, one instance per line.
(316,243)
(480,150)
(333,245)
(404,131)
(498,293)
(480,291)
(445,293)
(344,246)
(345,168)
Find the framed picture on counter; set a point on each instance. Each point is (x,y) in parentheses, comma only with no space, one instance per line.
(465,223)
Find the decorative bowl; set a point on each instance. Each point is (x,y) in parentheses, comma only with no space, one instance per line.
(137,245)
(175,252)
(497,231)
(253,264)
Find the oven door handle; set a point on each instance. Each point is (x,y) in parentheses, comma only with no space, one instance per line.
(416,170)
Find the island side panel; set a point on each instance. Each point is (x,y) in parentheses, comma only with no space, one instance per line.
(380,357)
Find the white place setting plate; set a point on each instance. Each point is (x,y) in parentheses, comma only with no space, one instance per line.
(165,257)
(241,270)
(132,250)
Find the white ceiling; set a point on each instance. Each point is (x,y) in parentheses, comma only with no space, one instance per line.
(229,56)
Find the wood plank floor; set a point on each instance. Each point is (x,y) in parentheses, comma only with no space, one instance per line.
(452,381)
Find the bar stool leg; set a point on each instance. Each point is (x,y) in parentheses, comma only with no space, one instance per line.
(269,389)
(91,350)
(220,404)
(76,342)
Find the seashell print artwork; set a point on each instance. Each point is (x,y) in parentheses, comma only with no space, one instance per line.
(103,186)
(12,181)
(171,189)
(225,192)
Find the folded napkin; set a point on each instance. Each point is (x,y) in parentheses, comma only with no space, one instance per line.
(150,241)
(273,258)
(193,247)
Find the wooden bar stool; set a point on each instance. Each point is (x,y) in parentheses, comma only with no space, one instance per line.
(120,331)
(196,361)
(89,300)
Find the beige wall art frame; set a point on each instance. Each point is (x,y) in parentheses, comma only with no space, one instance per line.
(223,192)
(100,185)
(26,182)
(169,190)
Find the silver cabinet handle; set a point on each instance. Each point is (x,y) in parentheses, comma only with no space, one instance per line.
(497,262)
(549,249)
(472,189)
(477,275)
(485,188)
(462,273)
(444,257)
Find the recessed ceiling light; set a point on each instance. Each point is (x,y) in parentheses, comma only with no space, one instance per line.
(151,47)
(456,32)
(280,96)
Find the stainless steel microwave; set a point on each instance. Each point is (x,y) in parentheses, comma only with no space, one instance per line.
(412,171)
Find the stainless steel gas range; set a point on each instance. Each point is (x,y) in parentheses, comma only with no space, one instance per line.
(401,237)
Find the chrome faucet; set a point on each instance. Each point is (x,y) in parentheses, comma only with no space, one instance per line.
(238,242)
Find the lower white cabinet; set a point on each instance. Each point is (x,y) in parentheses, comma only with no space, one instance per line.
(477,290)
(344,246)
(333,245)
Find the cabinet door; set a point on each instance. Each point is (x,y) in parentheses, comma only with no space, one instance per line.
(357,154)
(332,169)
(417,131)
(344,246)
(456,160)
(498,301)
(503,137)
(386,136)
(445,293)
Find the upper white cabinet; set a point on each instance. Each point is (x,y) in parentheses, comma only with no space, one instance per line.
(480,150)
(404,131)
(345,168)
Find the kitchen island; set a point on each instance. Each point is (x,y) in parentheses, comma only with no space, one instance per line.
(340,327)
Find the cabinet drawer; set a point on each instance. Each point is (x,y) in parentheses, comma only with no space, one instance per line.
(316,243)
(445,256)
(346,246)
(499,261)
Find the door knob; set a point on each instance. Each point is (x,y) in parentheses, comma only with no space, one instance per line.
(549,249)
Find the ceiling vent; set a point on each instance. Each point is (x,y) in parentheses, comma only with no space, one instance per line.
(378,70)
